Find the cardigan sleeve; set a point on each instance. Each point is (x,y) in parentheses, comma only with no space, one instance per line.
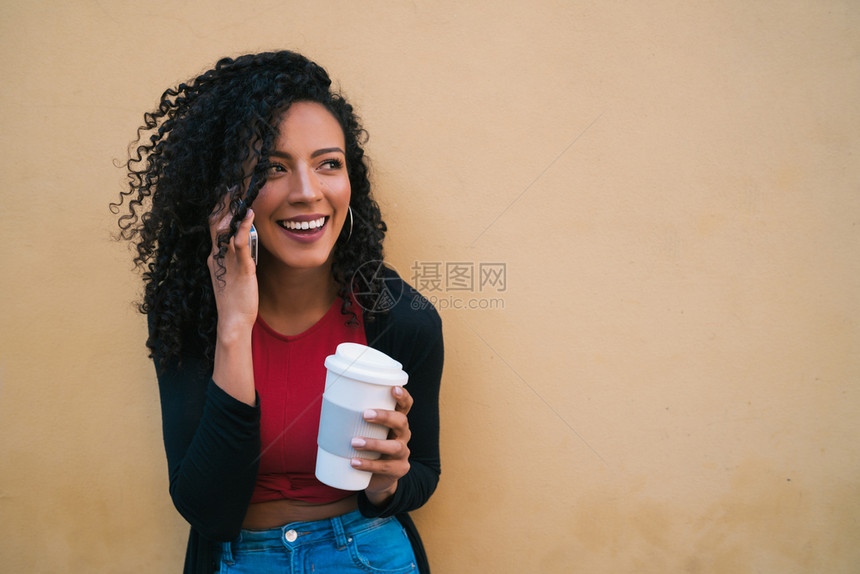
(212,441)
(412,334)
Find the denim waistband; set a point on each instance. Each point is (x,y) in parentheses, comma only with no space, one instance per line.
(296,534)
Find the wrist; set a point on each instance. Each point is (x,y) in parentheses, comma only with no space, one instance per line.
(380,498)
(233,333)
(233,370)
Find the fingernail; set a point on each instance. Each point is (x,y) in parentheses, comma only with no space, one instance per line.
(355,462)
(398,391)
(370,414)
(358,442)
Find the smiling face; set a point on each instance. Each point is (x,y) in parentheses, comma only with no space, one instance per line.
(301,209)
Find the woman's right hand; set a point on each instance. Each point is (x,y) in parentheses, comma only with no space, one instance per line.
(237,300)
(234,280)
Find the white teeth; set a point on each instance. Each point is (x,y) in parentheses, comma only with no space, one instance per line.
(313,224)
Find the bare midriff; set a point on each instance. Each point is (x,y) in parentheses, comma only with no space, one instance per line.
(275,513)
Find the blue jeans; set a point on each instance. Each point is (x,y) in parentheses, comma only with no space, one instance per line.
(348,543)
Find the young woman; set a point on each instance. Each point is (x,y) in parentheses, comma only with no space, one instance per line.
(263,141)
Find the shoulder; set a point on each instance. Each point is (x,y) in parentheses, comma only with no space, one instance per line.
(404,306)
(405,322)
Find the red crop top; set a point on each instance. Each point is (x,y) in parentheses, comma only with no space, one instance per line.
(289,374)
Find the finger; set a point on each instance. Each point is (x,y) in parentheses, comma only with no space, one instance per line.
(390,467)
(249,219)
(243,233)
(403,398)
(394,420)
(389,448)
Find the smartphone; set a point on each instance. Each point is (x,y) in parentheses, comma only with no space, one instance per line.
(252,244)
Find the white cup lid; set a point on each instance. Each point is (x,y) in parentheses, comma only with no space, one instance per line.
(366,364)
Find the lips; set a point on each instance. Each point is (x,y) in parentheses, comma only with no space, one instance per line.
(305,228)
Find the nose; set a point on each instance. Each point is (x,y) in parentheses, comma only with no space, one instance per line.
(306,186)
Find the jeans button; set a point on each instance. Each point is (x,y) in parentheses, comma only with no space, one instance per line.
(291,535)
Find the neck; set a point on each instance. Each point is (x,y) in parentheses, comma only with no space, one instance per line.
(293,300)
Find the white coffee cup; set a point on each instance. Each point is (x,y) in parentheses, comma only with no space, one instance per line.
(358,378)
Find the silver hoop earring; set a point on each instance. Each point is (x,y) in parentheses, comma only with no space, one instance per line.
(349,210)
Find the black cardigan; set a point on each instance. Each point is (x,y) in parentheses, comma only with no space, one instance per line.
(213,440)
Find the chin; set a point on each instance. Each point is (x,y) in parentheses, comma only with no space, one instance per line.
(301,260)
(309,262)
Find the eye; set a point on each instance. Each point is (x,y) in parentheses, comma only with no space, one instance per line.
(332,163)
(274,168)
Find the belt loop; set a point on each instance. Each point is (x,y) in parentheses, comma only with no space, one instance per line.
(339,534)
(227,552)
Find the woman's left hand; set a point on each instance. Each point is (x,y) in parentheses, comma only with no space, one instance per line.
(394,462)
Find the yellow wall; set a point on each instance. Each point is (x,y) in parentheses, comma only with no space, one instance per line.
(672,384)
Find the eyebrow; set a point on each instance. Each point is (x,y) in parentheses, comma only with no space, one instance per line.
(319,152)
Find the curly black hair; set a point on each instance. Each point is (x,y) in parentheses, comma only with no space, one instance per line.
(190,158)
